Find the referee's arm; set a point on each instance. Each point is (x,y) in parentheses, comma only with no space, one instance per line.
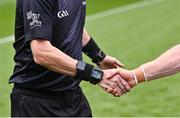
(52,58)
(94,52)
(86,38)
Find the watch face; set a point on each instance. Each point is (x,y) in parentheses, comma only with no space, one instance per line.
(97,74)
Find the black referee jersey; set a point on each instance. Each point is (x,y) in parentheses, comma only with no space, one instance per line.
(59,21)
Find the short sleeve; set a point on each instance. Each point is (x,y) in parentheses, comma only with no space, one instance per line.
(37,17)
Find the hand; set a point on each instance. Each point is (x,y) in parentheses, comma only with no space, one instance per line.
(113,83)
(110,63)
(127,75)
(122,84)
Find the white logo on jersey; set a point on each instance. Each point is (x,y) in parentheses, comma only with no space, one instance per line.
(62,14)
(34,17)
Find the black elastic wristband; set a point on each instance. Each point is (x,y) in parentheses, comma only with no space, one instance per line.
(86,73)
(100,56)
(91,49)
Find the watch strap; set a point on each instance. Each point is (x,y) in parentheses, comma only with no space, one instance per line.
(95,80)
(84,71)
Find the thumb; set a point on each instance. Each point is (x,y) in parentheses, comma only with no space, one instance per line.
(111,73)
(118,63)
(109,90)
(125,74)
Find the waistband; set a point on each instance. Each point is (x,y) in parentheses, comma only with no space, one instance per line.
(41,93)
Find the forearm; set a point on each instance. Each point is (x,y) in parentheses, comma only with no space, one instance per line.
(54,59)
(91,49)
(86,37)
(165,65)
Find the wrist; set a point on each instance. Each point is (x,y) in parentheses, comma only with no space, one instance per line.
(92,50)
(150,69)
(99,58)
(140,74)
(88,72)
(75,69)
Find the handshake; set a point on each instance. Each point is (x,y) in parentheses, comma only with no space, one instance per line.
(118,81)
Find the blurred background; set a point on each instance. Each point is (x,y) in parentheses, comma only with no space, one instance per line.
(134,31)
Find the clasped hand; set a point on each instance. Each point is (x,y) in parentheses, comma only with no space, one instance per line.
(116,81)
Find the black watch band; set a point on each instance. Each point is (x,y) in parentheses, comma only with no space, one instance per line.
(88,72)
(96,75)
(84,70)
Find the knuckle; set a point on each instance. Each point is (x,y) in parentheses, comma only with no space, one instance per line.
(114,85)
(115,80)
(124,91)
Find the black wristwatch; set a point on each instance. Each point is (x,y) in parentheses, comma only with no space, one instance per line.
(88,72)
(81,73)
(96,75)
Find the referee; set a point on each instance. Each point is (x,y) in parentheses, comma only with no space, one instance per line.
(49,40)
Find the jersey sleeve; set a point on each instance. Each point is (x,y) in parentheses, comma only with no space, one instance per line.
(37,18)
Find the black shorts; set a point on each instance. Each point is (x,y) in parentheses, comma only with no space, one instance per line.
(25,103)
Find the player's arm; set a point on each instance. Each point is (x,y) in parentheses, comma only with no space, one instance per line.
(92,50)
(165,65)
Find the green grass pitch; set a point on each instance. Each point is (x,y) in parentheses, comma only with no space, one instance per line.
(134,37)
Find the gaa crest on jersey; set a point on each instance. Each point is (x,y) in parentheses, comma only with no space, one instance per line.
(63,14)
(34,19)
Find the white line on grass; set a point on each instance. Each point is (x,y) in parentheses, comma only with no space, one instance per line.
(6,40)
(122,9)
(99,15)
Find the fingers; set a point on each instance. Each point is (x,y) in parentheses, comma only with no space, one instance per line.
(119,86)
(106,82)
(110,87)
(117,81)
(109,90)
(118,63)
(110,62)
(108,74)
(112,91)
(116,89)
(127,76)
(122,84)
(126,85)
